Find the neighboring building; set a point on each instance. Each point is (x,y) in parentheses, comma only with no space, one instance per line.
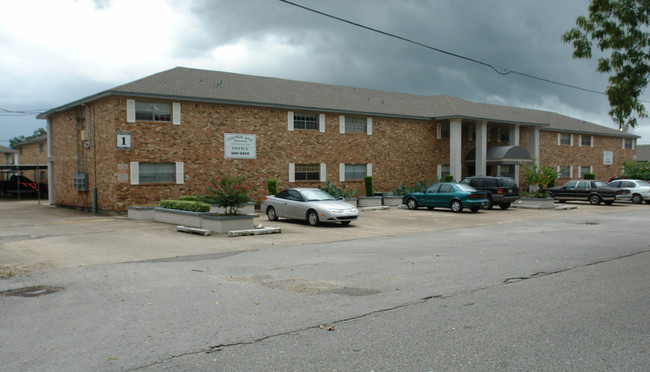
(34,152)
(7,157)
(643,153)
(165,135)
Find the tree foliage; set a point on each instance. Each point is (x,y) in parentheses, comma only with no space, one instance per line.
(620,30)
(635,170)
(18,139)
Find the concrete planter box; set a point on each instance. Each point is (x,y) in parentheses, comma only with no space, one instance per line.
(248,208)
(140,213)
(392,201)
(353,201)
(536,203)
(370,201)
(204,220)
(223,224)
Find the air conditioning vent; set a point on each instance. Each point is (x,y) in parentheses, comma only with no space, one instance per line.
(80,181)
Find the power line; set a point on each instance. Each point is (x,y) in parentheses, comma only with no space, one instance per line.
(485,64)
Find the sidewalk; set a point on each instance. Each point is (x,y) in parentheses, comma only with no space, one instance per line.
(40,237)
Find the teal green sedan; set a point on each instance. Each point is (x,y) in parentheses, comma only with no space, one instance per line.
(447,195)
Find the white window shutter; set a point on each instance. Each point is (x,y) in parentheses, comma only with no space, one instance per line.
(572,140)
(369,170)
(342,172)
(591,141)
(591,169)
(180,172)
(290,121)
(135,173)
(623,147)
(579,140)
(633,144)
(439,170)
(321,122)
(342,124)
(558,169)
(292,172)
(369,125)
(130,111)
(570,171)
(323,172)
(439,133)
(176,113)
(559,135)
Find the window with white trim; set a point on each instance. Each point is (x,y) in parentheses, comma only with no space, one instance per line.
(586,140)
(355,172)
(307,172)
(305,121)
(584,169)
(564,172)
(564,139)
(442,130)
(628,143)
(157,173)
(503,135)
(443,170)
(355,124)
(153,111)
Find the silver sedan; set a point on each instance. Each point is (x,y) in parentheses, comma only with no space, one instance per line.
(310,204)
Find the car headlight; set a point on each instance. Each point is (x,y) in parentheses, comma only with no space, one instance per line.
(354,209)
(337,210)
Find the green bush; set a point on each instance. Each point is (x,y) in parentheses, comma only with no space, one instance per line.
(635,169)
(419,186)
(590,176)
(272,185)
(337,192)
(185,205)
(229,193)
(448,178)
(196,198)
(367,182)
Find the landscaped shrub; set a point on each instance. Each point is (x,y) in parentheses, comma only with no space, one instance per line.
(419,186)
(229,193)
(590,176)
(196,198)
(448,178)
(185,205)
(367,182)
(272,185)
(338,192)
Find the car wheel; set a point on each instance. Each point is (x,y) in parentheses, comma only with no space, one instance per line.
(505,205)
(312,217)
(270,213)
(345,222)
(456,206)
(474,209)
(637,199)
(490,203)
(411,203)
(594,199)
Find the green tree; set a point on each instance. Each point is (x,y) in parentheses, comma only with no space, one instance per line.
(18,139)
(635,169)
(620,30)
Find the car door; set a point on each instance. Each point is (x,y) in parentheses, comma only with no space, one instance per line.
(428,198)
(582,190)
(294,206)
(567,191)
(444,195)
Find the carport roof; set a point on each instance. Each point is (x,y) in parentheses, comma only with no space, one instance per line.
(187,84)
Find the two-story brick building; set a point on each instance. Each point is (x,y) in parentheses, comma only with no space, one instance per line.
(164,135)
(34,152)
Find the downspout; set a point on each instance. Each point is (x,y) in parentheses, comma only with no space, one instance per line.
(87,145)
(50,163)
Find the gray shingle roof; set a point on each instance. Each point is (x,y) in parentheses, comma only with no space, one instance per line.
(215,86)
(6,150)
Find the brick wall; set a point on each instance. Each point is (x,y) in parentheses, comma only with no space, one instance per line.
(400,150)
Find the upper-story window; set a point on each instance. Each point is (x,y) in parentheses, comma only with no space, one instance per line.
(586,140)
(503,135)
(153,111)
(442,130)
(305,121)
(355,124)
(41,147)
(564,139)
(628,143)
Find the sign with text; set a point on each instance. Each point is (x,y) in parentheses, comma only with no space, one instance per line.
(123,140)
(240,146)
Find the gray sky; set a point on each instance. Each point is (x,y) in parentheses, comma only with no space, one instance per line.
(56,51)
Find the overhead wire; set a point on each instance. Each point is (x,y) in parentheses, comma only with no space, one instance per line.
(502,72)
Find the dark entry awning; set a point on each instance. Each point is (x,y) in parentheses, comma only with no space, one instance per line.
(502,155)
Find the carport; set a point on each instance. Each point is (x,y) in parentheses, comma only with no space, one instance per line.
(8,170)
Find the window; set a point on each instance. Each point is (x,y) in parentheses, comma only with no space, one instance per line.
(564,139)
(355,125)
(355,172)
(584,169)
(307,172)
(20,150)
(42,176)
(41,147)
(471,133)
(585,140)
(564,172)
(157,173)
(305,121)
(153,111)
(628,143)
(503,135)
(503,170)
(442,130)
(443,170)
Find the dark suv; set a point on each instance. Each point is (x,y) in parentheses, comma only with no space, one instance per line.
(501,190)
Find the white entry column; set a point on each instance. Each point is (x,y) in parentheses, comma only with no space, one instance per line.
(514,141)
(455,148)
(481,149)
(534,144)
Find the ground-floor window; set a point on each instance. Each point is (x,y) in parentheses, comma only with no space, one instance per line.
(307,172)
(564,172)
(584,169)
(157,173)
(355,172)
(443,170)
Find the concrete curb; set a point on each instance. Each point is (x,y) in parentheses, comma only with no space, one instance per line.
(262,231)
(193,230)
(384,207)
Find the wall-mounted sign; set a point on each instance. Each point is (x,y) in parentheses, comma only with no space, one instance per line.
(608,157)
(123,140)
(240,146)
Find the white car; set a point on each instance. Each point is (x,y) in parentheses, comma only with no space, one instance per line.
(639,189)
(310,204)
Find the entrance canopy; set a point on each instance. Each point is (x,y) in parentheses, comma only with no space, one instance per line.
(502,155)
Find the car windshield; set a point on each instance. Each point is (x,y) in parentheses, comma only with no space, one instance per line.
(316,195)
(467,188)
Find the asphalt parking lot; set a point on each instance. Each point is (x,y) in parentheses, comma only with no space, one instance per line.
(37,236)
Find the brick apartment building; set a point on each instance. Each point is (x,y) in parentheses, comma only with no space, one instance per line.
(33,152)
(165,135)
